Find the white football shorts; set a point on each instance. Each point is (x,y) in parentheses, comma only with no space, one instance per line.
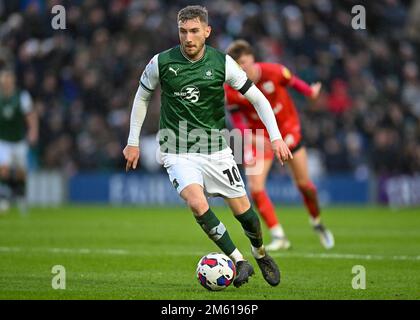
(217,173)
(13,154)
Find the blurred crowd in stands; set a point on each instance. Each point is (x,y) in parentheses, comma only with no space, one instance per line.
(83,79)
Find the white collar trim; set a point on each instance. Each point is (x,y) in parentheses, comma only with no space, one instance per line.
(193,61)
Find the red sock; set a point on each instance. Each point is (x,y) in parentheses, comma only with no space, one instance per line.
(265,208)
(310,197)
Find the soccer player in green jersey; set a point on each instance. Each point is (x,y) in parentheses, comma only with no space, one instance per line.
(18,126)
(196,156)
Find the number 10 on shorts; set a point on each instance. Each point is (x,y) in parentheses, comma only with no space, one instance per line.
(232,174)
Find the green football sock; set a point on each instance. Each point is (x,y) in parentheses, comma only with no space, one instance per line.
(216,231)
(252,227)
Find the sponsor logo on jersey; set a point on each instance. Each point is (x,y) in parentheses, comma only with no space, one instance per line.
(189,92)
(268,87)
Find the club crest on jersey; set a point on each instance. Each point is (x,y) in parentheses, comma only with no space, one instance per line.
(190,93)
(209,74)
(8,112)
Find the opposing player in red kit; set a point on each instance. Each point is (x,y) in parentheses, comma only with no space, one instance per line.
(272,79)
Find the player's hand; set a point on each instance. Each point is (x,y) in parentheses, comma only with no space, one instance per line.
(281,150)
(132,155)
(316,89)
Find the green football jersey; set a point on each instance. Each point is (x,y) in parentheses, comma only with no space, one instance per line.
(12,117)
(192,98)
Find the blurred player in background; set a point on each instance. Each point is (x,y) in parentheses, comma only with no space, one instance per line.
(272,79)
(18,126)
(191,76)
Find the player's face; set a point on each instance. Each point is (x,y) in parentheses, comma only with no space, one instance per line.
(192,35)
(246,61)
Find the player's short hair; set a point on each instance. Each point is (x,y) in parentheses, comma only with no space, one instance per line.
(238,48)
(193,12)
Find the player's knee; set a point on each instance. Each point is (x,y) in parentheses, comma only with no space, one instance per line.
(243,207)
(256,187)
(301,183)
(304,184)
(198,205)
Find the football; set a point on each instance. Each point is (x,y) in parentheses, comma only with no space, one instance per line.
(215,271)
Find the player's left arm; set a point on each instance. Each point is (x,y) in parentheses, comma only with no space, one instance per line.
(288,79)
(31,117)
(238,80)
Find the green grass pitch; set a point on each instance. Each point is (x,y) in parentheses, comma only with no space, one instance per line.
(151,253)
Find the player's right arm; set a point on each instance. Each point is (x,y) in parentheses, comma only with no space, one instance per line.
(237,115)
(147,84)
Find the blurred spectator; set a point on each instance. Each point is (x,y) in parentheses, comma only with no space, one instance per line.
(411,87)
(339,100)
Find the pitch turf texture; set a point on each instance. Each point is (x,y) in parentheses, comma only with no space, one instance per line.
(151,253)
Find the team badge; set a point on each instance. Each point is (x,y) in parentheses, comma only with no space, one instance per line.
(209,74)
(286,73)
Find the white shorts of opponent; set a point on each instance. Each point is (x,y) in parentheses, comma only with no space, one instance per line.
(217,173)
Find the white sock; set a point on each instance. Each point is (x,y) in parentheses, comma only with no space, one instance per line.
(277,231)
(258,253)
(236,256)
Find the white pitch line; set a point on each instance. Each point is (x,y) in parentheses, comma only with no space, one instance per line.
(67,250)
(344,256)
(86,251)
